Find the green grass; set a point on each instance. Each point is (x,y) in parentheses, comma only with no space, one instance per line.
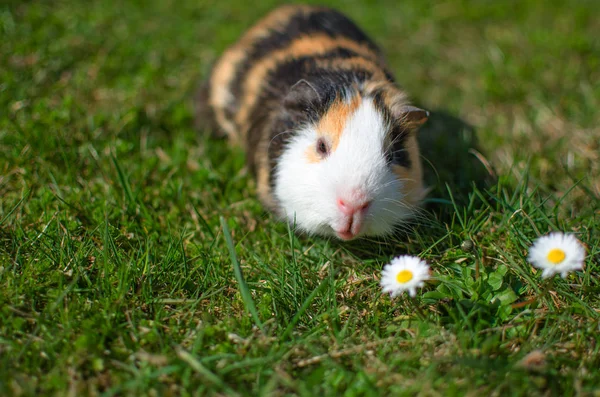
(118,276)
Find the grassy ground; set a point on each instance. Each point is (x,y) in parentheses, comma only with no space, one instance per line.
(115,273)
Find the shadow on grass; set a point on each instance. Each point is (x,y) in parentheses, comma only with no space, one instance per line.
(452,157)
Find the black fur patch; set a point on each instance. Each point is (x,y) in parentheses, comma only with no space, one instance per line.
(327,21)
(328,82)
(396,153)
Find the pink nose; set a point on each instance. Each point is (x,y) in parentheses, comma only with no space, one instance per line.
(351,207)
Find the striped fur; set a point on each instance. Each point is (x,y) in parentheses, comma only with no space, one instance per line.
(299,66)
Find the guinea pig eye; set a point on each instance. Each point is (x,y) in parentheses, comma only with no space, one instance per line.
(322,147)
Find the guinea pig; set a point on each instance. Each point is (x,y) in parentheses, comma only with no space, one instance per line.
(327,132)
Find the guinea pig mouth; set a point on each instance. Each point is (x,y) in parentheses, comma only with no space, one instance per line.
(351,226)
(346,236)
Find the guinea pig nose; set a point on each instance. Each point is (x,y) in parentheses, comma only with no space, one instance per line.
(349,207)
(343,205)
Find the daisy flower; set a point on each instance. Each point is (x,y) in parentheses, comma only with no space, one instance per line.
(404,273)
(557,253)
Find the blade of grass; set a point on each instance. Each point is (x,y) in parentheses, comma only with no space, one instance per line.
(237,271)
(124,181)
(205,372)
(302,309)
(203,222)
(14,208)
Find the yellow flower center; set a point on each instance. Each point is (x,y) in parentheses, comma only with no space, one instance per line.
(556,256)
(404,276)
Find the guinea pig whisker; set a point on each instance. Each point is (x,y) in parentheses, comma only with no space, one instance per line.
(393,142)
(376,191)
(400,203)
(388,183)
(278,135)
(417,213)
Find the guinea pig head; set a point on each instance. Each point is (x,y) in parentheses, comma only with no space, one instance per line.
(350,165)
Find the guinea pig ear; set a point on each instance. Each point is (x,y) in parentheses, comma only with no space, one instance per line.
(412,116)
(302,97)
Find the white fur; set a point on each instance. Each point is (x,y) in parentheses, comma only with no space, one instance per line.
(307,192)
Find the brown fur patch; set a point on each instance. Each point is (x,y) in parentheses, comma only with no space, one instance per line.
(412,178)
(331,126)
(263,186)
(393,98)
(225,69)
(302,46)
(312,156)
